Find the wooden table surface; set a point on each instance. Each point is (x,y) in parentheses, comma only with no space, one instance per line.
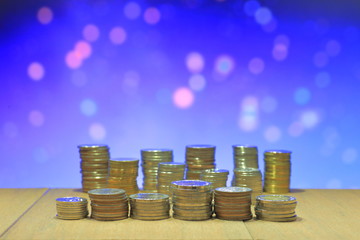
(322,214)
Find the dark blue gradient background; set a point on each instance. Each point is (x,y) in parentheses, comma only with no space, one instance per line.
(276,74)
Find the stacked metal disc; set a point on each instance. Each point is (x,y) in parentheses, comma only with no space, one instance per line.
(94,165)
(192,200)
(71,208)
(245,156)
(150,159)
(109,204)
(198,159)
(277,171)
(169,172)
(248,177)
(149,206)
(218,177)
(123,174)
(276,208)
(233,203)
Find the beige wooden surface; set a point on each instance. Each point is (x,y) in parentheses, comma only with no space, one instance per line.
(14,203)
(323,214)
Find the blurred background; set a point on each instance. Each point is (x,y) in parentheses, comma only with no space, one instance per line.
(163,74)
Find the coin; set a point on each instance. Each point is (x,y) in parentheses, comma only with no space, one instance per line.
(245,156)
(149,206)
(199,158)
(71,208)
(218,177)
(167,173)
(276,208)
(123,173)
(248,177)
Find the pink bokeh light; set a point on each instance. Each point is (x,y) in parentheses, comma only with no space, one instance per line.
(152,15)
(45,15)
(183,97)
(91,32)
(36,71)
(117,35)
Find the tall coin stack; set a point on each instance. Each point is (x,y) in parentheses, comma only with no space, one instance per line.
(150,165)
(248,177)
(94,166)
(109,204)
(149,206)
(198,159)
(71,208)
(192,200)
(169,172)
(276,208)
(277,171)
(232,203)
(218,177)
(245,156)
(123,174)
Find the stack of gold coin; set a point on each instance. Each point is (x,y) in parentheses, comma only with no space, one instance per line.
(248,177)
(149,206)
(277,171)
(94,165)
(245,156)
(198,159)
(168,173)
(123,174)
(276,208)
(218,177)
(109,204)
(150,159)
(233,203)
(71,208)
(192,200)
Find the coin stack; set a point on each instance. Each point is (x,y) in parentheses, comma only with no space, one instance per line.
(198,159)
(277,171)
(276,208)
(192,200)
(149,206)
(248,177)
(109,204)
(245,156)
(169,172)
(218,177)
(150,159)
(94,166)
(71,208)
(123,174)
(233,203)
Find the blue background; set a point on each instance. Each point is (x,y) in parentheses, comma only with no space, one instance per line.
(164,74)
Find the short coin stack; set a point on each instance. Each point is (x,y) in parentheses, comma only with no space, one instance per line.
(218,177)
(198,159)
(276,208)
(108,204)
(149,206)
(192,200)
(233,203)
(245,156)
(277,171)
(150,164)
(94,165)
(71,208)
(123,174)
(169,172)
(248,177)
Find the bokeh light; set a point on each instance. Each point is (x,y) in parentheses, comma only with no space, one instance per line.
(322,79)
(73,59)
(88,107)
(45,15)
(333,48)
(280,52)
(256,66)
(36,71)
(83,49)
(302,96)
(97,132)
(296,129)
(224,64)
(263,15)
(320,59)
(152,15)
(117,35)
(131,82)
(309,118)
(197,82)
(132,10)
(36,118)
(195,62)
(183,97)
(91,33)
(250,7)
(272,134)
(248,120)
(349,155)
